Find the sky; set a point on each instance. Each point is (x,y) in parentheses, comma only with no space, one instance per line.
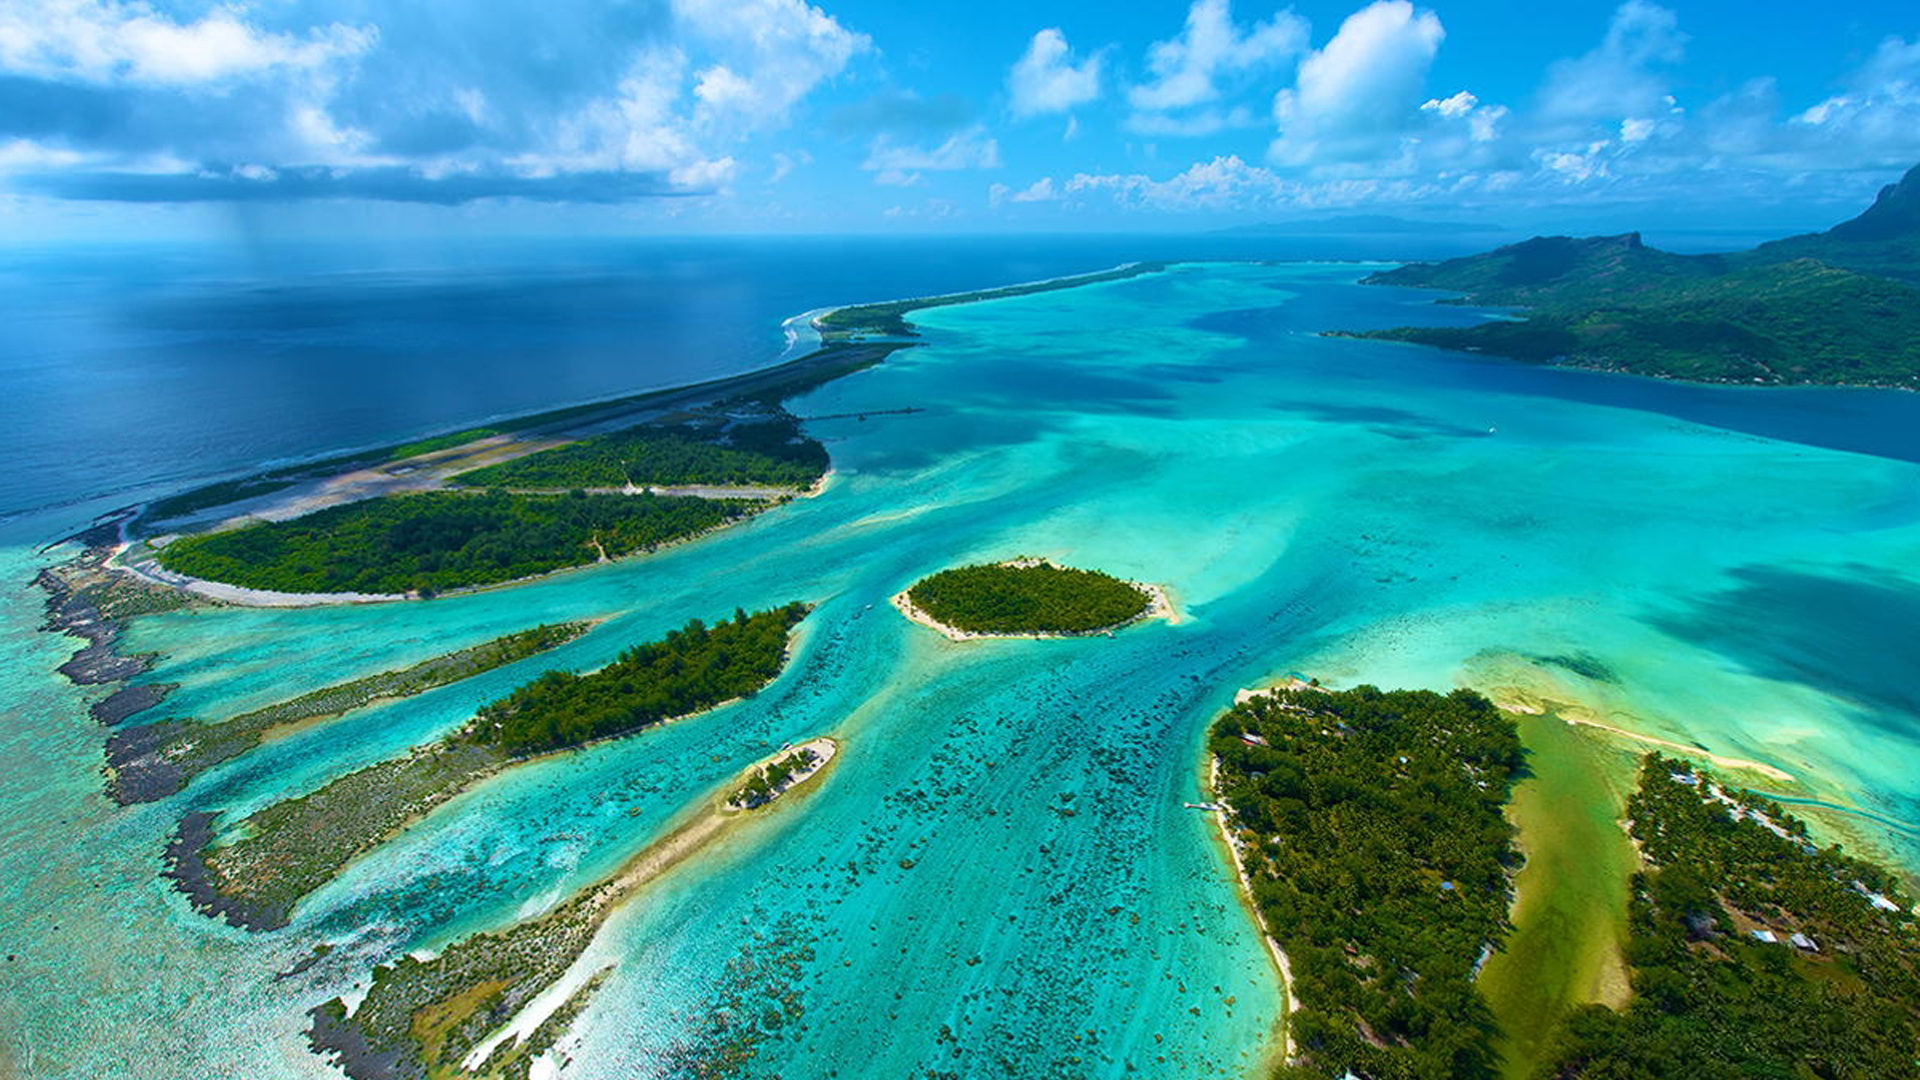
(782,116)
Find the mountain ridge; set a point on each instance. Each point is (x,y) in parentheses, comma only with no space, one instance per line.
(1836,307)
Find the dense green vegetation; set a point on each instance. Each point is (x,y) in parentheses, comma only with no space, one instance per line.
(1560,271)
(293,847)
(220,494)
(442,540)
(439,442)
(1371,830)
(1795,322)
(1028,598)
(767,783)
(1884,241)
(692,668)
(1711,1002)
(1836,307)
(771,451)
(152,761)
(889,319)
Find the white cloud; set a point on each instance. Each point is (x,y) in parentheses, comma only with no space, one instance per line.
(783,165)
(775,53)
(1878,115)
(103,41)
(901,166)
(1619,78)
(1046,80)
(1575,167)
(25,154)
(1482,121)
(656,95)
(703,175)
(1224,183)
(1187,70)
(1041,190)
(1453,108)
(1354,97)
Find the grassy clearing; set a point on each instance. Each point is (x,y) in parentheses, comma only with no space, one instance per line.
(1570,915)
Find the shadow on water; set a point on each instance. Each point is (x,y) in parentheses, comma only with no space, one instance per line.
(1847,635)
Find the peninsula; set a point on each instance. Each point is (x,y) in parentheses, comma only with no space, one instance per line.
(1370,827)
(529,496)
(151,761)
(1836,308)
(288,849)
(488,1006)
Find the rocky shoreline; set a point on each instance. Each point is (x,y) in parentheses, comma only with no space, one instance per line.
(137,767)
(186,867)
(89,598)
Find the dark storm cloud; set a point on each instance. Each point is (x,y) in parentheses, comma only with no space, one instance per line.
(435,101)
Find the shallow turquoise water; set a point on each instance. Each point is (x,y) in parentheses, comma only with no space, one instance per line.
(998,877)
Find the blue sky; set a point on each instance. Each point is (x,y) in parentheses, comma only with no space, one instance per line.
(121,118)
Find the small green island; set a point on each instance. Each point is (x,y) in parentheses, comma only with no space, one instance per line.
(770,781)
(474,1011)
(288,849)
(1028,598)
(152,761)
(1836,308)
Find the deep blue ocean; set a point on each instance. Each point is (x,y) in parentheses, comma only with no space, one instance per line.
(127,370)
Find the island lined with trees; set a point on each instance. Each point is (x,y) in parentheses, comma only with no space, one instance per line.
(769,451)
(1753,952)
(888,318)
(1371,834)
(290,848)
(1370,827)
(152,761)
(436,541)
(1027,598)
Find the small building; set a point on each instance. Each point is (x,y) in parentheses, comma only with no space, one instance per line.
(1251,739)
(1765,937)
(1882,902)
(1803,943)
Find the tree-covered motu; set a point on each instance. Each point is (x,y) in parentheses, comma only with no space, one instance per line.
(294,846)
(1372,831)
(692,668)
(1028,598)
(436,541)
(770,451)
(770,781)
(1723,989)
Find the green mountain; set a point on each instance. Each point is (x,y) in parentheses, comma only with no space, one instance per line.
(1833,307)
(1884,241)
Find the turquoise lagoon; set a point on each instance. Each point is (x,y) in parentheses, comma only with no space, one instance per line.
(999,878)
